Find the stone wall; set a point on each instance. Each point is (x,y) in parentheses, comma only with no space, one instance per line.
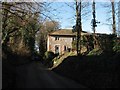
(62,42)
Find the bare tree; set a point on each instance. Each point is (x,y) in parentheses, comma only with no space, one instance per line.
(111,6)
(78,25)
(113,17)
(80,6)
(119,18)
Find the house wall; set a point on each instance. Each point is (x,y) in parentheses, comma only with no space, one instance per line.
(63,41)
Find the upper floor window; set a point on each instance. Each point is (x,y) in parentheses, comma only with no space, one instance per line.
(56,38)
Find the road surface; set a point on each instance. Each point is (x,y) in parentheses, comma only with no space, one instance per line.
(35,75)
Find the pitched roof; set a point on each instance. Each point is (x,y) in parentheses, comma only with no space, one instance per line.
(66,32)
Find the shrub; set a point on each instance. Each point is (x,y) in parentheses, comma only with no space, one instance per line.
(106,42)
(49,56)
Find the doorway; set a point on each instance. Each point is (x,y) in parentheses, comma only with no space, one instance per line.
(57,49)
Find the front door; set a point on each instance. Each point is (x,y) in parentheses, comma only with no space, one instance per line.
(57,49)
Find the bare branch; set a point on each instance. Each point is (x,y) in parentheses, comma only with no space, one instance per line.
(70,6)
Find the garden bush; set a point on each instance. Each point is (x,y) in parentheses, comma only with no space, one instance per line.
(48,58)
(49,55)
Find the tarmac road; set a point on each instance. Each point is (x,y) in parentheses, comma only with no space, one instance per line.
(35,75)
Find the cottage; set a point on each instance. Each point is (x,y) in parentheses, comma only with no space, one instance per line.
(61,40)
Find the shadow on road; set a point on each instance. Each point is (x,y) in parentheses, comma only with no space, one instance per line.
(32,74)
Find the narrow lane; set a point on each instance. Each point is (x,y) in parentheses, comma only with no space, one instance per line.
(35,75)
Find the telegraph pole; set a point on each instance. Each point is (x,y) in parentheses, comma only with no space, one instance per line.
(94,23)
(94,17)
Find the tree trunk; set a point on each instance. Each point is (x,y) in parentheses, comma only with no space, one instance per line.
(77,45)
(113,18)
(78,25)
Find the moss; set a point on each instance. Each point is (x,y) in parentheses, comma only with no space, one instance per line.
(96,51)
(116,47)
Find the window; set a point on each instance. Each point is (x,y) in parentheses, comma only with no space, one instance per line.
(74,38)
(56,38)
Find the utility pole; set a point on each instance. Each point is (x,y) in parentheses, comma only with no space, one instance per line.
(94,23)
(94,17)
(78,26)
